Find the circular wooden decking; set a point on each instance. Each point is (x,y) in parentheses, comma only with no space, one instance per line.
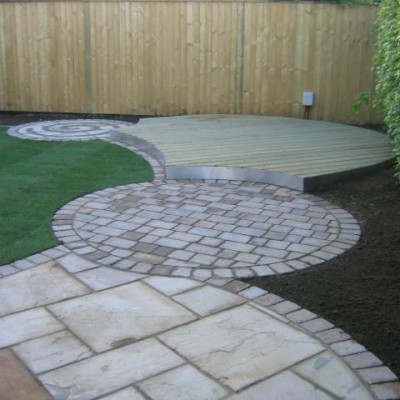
(296,153)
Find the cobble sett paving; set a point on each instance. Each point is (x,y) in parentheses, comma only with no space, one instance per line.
(262,233)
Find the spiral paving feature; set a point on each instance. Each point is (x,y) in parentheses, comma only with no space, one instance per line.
(79,129)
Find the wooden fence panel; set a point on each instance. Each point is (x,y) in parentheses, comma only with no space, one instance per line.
(185,57)
(42,63)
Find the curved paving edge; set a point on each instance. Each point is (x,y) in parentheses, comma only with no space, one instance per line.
(203,230)
(346,163)
(381,381)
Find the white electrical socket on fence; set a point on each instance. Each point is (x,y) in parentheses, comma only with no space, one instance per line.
(308,98)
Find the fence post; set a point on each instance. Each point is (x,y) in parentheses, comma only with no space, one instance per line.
(240,58)
(88,59)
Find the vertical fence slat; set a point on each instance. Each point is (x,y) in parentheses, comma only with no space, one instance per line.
(176,57)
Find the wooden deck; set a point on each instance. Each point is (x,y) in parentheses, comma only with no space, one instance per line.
(301,152)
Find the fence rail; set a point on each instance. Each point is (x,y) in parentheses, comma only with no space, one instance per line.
(186,57)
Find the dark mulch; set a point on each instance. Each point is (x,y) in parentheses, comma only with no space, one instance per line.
(358,291)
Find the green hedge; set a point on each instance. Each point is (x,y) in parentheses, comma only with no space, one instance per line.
(388,71)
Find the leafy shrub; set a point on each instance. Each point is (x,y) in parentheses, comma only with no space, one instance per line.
(387,61)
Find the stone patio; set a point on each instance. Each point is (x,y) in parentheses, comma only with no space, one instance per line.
(141,301)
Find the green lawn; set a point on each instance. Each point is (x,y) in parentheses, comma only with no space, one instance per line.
(37,178)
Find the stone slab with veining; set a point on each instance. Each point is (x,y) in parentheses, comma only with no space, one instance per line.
(249,344)
(38,286)
(109,319)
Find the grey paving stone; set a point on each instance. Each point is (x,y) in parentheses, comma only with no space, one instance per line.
(387,391)
(240,247)
(281,268)
(203,259)
(318,325)
(285,307)
(185,236)
(348,347)
(236,286)
(252,292)
(333,335)
(175,244)
(6,270)
(377,375)
(363,360)
(301,315)
(202,249)
(268,300)
(263,270)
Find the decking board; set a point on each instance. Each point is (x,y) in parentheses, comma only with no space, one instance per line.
(301,148)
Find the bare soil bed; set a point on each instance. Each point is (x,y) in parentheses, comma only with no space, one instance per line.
(358,291)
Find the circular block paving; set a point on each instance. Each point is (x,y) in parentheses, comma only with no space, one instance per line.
(73,129)
(204,230)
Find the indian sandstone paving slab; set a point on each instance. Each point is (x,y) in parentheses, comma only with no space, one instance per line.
(185,383)
(38,286)
(26,325)
(51,351)
(108,319)
(80,370)
(286,386)
(250,344)
(125,394)
(207,300)
(328,371)
(109,371)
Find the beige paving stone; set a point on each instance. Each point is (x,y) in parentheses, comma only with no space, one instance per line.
(121,315)
(171,286)
(73,263)
(249,344)
(16,383)
(185,383)
(284,386)
(51,351)
(329,372)
(125,394)
(26,325)
(110,371)
(37,286)
(208,300)
(104,278)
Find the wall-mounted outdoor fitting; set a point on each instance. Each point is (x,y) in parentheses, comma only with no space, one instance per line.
(308,99)
(308,102)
